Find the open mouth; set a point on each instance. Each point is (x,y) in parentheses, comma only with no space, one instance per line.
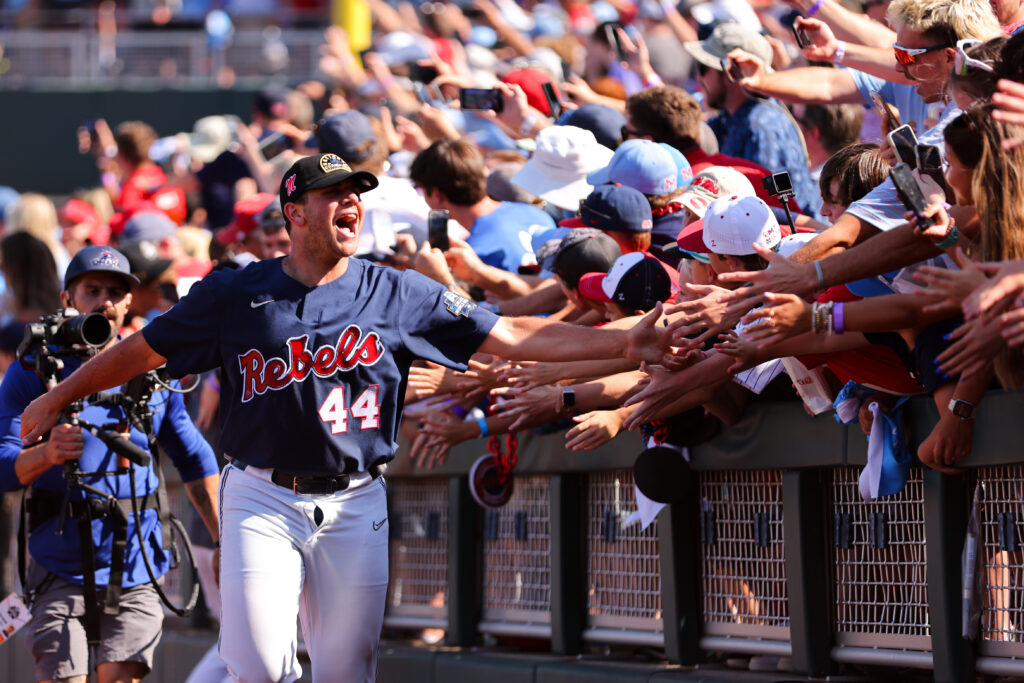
(346,224)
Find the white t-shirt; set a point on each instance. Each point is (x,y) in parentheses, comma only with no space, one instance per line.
(393,207)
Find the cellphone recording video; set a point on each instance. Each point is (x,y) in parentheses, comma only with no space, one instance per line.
(929,163)
(611,32)
(554,106)
(422,74)
(910,193)
(481,99)
(732,70)
(778,184)
(904,144)
(274,144)
(437,230)
(800,35)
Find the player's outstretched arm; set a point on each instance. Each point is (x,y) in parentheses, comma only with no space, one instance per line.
(115,366)
(545,340)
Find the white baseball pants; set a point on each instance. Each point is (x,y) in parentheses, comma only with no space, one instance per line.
(276,562)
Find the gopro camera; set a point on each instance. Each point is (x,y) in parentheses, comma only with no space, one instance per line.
(778,184)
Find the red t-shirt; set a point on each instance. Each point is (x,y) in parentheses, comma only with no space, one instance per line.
(140,185)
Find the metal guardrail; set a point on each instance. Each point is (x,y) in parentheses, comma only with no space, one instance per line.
(155,59)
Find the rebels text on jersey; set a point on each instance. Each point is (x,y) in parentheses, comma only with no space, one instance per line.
(313,377)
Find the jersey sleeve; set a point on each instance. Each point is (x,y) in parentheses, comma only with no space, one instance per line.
(180,438)
(16,392)
(188,334)
(439,325)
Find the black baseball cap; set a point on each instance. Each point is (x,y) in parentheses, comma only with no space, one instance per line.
(318,171)
(100,260)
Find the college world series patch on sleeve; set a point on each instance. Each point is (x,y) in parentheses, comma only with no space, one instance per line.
(457,304)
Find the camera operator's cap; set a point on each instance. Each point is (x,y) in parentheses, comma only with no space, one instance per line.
(636,280)
(613,207)
(641,164)
(247,214)
(725,38)
(733,225)
(557,171)
(710,184)
(100,259)
(345,134)
(318,171)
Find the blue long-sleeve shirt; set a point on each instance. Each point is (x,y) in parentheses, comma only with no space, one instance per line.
(177,436)
(760,131)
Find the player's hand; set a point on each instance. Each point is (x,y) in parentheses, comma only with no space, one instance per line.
(37,419)
(645,342)
(781,275)
(65,444)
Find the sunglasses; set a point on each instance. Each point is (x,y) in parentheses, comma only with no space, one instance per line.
(963,62)
(626,133)
(908,55)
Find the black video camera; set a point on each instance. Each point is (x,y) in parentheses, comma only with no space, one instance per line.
(65,333)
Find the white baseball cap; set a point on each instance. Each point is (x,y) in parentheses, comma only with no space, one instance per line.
(557,171)
(712,183)
(733,225)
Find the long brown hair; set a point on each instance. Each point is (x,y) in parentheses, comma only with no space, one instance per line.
(998,188)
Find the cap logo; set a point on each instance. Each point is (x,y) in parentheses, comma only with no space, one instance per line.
(289,185)
(105,258)
(706,183)
(332,162)
(646,224)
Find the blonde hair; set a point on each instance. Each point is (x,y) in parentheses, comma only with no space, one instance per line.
(99,198)
(35,214)
(944,19)
(195,242)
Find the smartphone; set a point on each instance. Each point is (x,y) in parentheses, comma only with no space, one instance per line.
(481,98)
(437,230)
(422,93)
(611,33)
(274,144)
(732,70)
(566,70)
(778,184)
(904,144)
(800,34)
(910,193)
(554,106)
(892,123)
(422,74)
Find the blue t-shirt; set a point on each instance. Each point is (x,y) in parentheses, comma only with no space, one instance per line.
(177,436)
(900,95)
(504,237)
(762,132)
(313,378)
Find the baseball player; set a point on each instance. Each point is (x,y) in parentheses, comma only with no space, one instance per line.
(314,350)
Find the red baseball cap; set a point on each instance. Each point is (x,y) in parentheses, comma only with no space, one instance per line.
(247,218)
(76,211)
(531,80)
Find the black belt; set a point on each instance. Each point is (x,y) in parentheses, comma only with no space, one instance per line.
(317,485)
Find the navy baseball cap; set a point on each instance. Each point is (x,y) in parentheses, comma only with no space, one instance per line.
(100,260)
(636,280)
(603,121)
(613,207)
(344,134)
(318,171)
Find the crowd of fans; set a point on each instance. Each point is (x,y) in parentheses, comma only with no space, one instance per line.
(638,184)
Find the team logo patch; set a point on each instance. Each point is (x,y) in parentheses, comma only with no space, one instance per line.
(289,185)
(105,258)
(458,305)
(332,162)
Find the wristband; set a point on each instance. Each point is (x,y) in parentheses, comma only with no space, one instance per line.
(482,422)
(529,121)
(653,82)
(837,57)
(950,239)
(821,275)
(838,320)
(813,9)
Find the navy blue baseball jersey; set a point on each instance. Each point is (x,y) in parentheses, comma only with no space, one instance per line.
(313,378)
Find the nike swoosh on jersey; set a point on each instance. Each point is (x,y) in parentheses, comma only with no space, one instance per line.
(257,304)
(378,525)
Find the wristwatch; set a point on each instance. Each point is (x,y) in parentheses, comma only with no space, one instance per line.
(965,410)
(568,400)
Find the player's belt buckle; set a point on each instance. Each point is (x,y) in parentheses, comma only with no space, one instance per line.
(312,485)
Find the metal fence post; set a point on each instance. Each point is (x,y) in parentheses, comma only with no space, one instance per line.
(945,519)
(808,566)
(568,564)
(464,564)
(679,545)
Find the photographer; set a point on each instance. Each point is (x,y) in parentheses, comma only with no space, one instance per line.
(64,613)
